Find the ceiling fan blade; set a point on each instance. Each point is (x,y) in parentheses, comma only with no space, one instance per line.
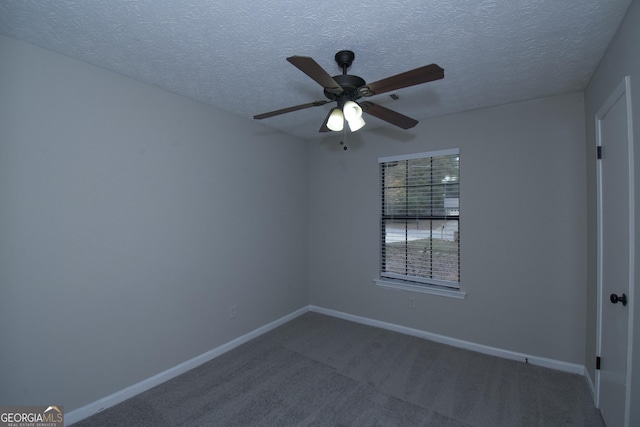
(312,69)
(388,115)
(324,127)
(418,76)
(290,109)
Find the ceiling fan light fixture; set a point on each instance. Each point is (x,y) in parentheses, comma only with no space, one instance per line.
(352,111)
(336,120)
(357,123)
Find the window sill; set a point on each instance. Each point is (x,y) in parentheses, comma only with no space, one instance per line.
(425,289)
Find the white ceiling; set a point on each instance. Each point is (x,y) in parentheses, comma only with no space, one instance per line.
(231,54)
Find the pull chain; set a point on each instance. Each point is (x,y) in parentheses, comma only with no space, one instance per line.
(344,139)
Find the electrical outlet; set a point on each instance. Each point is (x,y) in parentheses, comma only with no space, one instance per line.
(232,312)
(412,302)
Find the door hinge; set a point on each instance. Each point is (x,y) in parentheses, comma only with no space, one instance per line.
(599,152)
(597,362)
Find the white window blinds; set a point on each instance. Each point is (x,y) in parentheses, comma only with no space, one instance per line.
(420,231)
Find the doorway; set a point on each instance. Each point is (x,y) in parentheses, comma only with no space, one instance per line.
(615,169)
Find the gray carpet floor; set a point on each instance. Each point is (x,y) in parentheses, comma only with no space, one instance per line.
(318,370)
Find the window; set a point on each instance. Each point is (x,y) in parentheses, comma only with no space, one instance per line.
(420,231)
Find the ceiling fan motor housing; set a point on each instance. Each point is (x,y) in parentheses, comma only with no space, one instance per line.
(350,85)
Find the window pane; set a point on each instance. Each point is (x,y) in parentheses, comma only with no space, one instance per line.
(424,248)
(395,189)
(420,211)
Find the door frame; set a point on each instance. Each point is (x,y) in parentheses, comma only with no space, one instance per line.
(622,90)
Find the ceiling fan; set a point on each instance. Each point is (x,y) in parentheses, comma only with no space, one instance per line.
(346,89)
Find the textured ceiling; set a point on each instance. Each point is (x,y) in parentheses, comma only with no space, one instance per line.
(231,54)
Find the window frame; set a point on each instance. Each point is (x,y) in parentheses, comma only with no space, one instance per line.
(405,282)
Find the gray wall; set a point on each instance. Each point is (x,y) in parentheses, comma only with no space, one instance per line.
(130,220)
(621,59)
(523,227)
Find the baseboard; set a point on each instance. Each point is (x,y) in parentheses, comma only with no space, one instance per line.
(592,387)
(135,389)
(505,354)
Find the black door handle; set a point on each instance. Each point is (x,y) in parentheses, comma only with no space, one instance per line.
(615,298)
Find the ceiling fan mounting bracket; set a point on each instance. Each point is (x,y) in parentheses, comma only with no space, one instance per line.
(344,59)
(349,84)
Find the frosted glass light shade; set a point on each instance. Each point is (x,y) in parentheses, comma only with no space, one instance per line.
(336,120)
(356,124)
(352,111)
